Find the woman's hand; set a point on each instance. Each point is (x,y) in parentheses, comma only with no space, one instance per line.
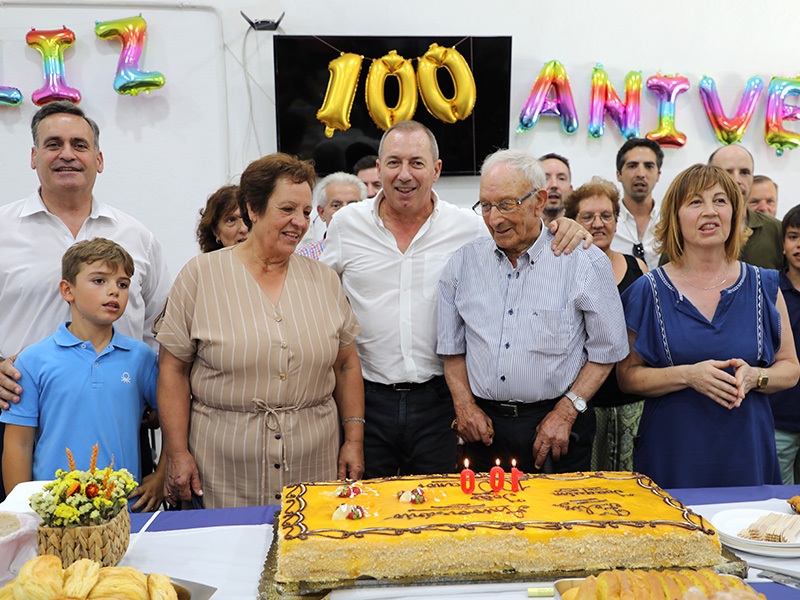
(746,377)
(181,479)
(709,378)
(351,460)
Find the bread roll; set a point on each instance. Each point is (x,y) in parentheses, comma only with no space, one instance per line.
(40,579)
(9,523)
(80,577)
(160,587)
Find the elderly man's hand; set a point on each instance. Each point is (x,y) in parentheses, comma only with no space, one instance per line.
(568,234)
(351,460)
(9,388)
(552,434)
(473,425)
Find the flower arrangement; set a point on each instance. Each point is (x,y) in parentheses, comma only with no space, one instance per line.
(79,498)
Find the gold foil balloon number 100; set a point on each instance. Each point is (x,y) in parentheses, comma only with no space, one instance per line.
(343,82)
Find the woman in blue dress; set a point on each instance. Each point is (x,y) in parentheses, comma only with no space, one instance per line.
(709,337)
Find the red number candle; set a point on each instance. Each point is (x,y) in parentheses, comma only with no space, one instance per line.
(467,478)
(515,475)
(497,477)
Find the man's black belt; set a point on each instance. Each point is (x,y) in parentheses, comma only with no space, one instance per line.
(405,386)
(515,409)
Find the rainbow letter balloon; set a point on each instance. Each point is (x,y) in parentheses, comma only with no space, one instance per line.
(730,131)
(51,44)
(778,111)
(10,96)
(130,79)
(667,89)
(605,100)
(553,76)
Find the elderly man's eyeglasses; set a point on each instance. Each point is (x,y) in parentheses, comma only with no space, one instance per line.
(505,207)
(587,218)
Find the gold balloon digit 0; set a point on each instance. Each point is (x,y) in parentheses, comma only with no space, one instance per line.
(460,106)
(335,111)
(391,64)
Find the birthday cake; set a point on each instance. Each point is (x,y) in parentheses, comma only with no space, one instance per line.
(426,525)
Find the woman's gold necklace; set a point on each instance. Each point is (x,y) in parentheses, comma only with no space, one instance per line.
(711,287)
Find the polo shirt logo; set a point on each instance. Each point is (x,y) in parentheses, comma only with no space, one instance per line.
(126,377)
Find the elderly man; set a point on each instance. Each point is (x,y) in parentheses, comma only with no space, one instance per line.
(764,247)
(527,337)
(335,191)
(559,185)
(389,252)
(764,196)
(38,230)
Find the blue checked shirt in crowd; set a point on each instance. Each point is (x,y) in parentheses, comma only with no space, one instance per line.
(527,332)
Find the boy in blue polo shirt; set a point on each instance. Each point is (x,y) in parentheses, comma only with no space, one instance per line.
(86,384)
(786,404)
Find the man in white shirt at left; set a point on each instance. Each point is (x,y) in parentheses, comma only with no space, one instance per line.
(38,230)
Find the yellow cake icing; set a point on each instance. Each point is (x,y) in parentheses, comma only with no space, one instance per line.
(569,522)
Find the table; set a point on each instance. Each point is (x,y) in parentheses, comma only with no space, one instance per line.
(226,548)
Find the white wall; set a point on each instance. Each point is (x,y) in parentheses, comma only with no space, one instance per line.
(166,152)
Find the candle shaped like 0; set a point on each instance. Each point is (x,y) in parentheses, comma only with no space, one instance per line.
(515,475)
(497,477)
(467,478)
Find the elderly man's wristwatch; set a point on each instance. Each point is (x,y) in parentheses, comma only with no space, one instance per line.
(578,402)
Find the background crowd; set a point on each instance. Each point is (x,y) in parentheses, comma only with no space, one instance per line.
(565,329)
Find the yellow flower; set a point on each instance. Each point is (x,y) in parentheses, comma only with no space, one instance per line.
(68,513)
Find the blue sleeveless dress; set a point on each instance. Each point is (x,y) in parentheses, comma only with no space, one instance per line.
(685,438)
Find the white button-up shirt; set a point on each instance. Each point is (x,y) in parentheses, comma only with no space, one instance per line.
(394,295)
(31,247)
(628,234)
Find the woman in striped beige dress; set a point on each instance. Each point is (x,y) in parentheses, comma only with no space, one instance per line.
(258,365)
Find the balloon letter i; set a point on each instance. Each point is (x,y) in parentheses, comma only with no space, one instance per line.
(51,44)
(667,89)
(130,79)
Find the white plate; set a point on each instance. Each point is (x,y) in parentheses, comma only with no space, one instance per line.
(729,523)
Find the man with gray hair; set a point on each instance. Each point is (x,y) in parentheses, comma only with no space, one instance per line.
(527,337)
(333,192)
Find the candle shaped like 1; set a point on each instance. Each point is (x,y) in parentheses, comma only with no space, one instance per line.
(497,477)
(467,478)
(515,475)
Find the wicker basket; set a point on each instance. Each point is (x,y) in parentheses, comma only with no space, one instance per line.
(104,543)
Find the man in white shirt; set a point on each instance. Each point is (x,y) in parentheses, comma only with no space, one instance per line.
(639,163)
(39,229)
(390,252)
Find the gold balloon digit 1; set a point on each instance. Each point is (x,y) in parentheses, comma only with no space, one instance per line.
(391,64)
(335,111)
(460,106)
